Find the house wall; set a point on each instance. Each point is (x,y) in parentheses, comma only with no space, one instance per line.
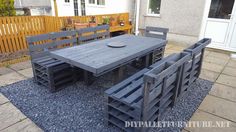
(182,17)
(111,6)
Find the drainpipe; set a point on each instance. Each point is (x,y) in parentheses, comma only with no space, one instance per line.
(137,17)
(55,8)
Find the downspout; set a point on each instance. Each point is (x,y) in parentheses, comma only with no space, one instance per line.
(55,8)
(137,17)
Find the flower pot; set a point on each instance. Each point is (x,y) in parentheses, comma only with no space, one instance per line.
(81,25)
(112,23)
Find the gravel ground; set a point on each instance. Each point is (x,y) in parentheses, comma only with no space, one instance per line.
(82,108)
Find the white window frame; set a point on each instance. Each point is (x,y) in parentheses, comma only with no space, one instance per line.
(154,15)
(96,4)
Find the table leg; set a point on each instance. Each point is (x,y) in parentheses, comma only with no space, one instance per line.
(88,78)
(118,75)
(148,60)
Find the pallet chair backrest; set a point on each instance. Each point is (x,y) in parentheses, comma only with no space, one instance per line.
(40,45)
(197,53)
(93,33)
(161,85)
(156,32)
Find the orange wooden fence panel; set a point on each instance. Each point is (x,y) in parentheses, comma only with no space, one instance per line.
(13,30)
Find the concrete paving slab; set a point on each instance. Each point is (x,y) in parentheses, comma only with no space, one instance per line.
(10,78)
(9,115)
(227,80)
(220,107)
(232,63)
(219,55)
(24,126)
(215,60)
(209,75)
(212,67)
(3,99)
(223,91)
(5,70)
(28,73)
(230,71)
(203,116)
(21,66)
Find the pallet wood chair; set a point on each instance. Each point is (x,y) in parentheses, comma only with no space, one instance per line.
(86,35)
(156,32)
(147,94)
(50,72)
(194,66)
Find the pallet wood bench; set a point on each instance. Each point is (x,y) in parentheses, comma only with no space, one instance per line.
(50,72)
(146,95)
(193,67)
(156,32)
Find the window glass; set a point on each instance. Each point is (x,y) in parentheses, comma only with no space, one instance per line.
(67,1)
(91,1)
(221,9)
(100,2)
(154,6)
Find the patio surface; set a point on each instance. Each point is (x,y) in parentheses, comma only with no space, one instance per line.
(219,104)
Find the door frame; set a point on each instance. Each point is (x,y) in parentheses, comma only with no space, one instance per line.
(204,24)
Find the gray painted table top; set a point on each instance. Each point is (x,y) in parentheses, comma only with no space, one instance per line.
(97,57)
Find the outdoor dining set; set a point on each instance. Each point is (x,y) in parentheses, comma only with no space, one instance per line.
(63,58)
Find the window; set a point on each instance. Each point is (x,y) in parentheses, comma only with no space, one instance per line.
(154,7)
(221,9)
(91,1)
(83,12)
(76,7)
(100,2)
(97,2)
(67,1)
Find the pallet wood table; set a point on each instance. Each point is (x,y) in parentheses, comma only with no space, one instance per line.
(97,58)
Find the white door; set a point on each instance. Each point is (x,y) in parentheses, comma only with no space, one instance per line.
(220,24)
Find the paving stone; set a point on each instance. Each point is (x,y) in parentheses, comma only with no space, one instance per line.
(184,130)
(27,72)
(220,107)
(168,46)
(230,71)
(212,67)
(9,115)
(209,75)
(177,48)
(219,55)
(21,65)
(227,80)
(24,126)
(3,99)
(232,63)
(224,91)
(5,70)
(206,53)
(216,60)
(10,78)
(203,116)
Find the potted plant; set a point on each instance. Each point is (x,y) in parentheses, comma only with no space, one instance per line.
(121,21)
(106,20)
(92,22)
(78,25)
(112,21)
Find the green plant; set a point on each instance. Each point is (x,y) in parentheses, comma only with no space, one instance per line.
(106,20)
(7,8)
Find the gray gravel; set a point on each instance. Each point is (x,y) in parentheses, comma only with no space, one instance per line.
(82,108)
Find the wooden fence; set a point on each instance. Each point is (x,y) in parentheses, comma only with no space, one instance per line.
(13,30)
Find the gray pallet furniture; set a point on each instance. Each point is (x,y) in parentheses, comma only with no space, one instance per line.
(156,32)
(147,94)
(86,35)
(96,58)
(50,72)
(193,67)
